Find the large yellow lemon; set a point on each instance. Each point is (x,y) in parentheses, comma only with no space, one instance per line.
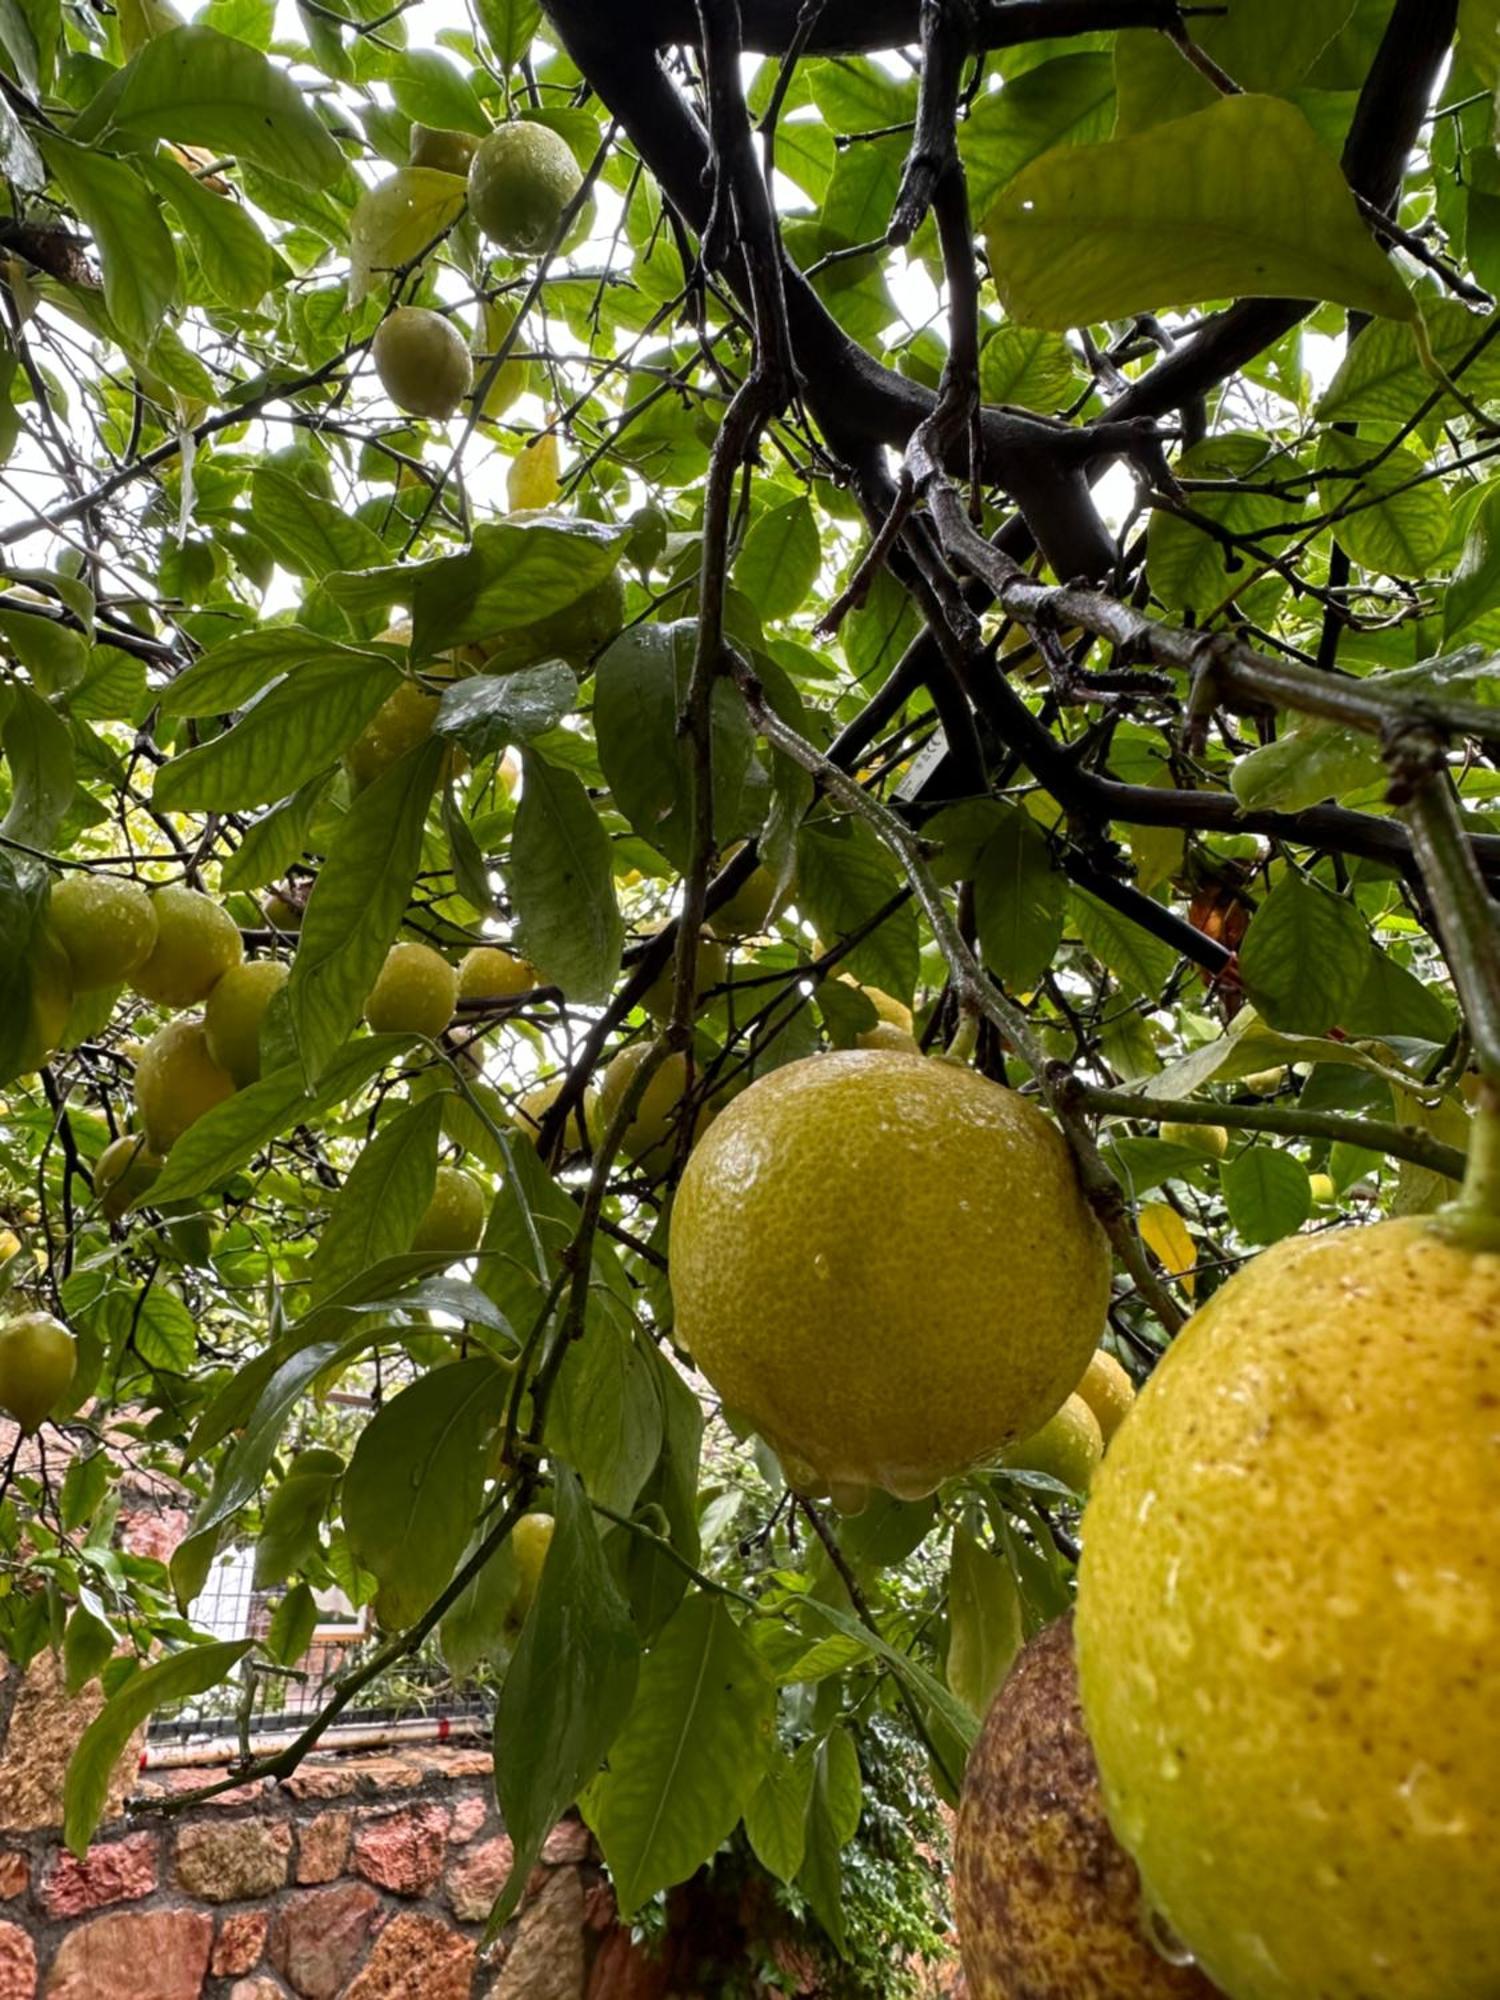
(1288,1619)
(1048,1904)
(177,1081)
(887,1265)
(106,926)
(38,1359)
(196,943)
(234,1012)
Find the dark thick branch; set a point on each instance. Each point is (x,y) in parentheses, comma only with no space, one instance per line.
(856,27)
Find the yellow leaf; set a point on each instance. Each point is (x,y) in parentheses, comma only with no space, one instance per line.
(1165,1235)
(535,478)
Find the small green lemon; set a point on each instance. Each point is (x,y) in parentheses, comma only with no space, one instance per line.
(1288,1607)
(1108,1391)
(38,1360)
(196,943)
(1048,1905)
(124,1171)
(423,362)
(177,1081)
(453,1221)
(520,181)
(748,910)
(888,1266)
(415,993)
(234,1012)
(1068,1446)
(106,926)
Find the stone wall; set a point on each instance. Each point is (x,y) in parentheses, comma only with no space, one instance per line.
(362,1877)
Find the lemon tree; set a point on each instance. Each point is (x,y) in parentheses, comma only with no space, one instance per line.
(737,742)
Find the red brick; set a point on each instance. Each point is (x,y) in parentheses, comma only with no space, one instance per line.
(117,1871)
(416,1958)
(229,1862)
(402,1851)
(240,1943)
(318,1937)
(17,1964)
(477,1877)
(323,1847)
(154,1955)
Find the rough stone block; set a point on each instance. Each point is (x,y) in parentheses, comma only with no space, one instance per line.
(116,1871)
(150,1955)
(416,1958)
(240,1944)
(17,1964)
(477,1877)
(402,1851)
(317,1938)
(323,1847)
(546,1959)
(15,1874)
(232,1861)
(45,1726)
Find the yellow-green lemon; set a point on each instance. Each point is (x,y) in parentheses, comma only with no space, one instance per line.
(1288,1615)
(453,1220)
(1209,1142)
(1068,1446)
(423,362)
(415,993)
(1048,1904)
(124,1172)
(1108,1391)
(709,970)
(106,926)
(398,725)
(520,180)
(488,973)
(196,943)
(887,1265)
(38,1359)
(234,1012)
(177,1081)
(654,1134)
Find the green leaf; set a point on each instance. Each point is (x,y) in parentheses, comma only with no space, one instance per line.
(1393,518)
(1304,957)
(690,1756)
(290,735)
(561,884)
(1066,102)
(23,903)
(414,1484)
(100,1748)
(1314,760)
(134,244)
(235,258)
(85,1484)
(984,1622)
(1268,47)
(1240,200)
(292,1625)
(113,687)
(477,1627)
(832,1817)
(1142,963)
(1188,567)
(290,1519)
(357,905)
(398,221)
(776,1816)
(222,1140)
(844,876)
(779,562)
(39,752)
(1267,1193)
(1475,588)
(429,90)
(490,711)
(1383,378)
(569,1688)
(1020,897)
(202,88)
(226,676)
(640,686)
(605,1415)
(308,535)
(89,1642)
(509,27)
(1028,367)
(959,1721)
(383,1199)
(657,1584)
(273,842)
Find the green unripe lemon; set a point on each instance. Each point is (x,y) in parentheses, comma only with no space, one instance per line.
(1288,1609)
(415,993)
(1108,1391)
(38,1360)
(520,180)
(440,147)
(423,362)
(398,725)
(709,971)
(1048,1903)
(234,1012)
(530,1540)
(488,973)
(196,943)
(106,926)
(453,1220)
(1068,1446)
(748,910)
(124,1171)
(887,1265)
(177,1081)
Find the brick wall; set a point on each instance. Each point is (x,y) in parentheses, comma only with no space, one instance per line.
(362,1877)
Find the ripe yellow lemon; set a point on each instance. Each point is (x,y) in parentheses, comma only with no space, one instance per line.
(583,1120)
(1068,1446)
(1288,1615)
(123,1172)
(887,1265)
(177,1081)
(234,1012)
(653,1134)
(423,362)
(1209,1142)
(709,971)
(106,926)
(196,943)
(1048,1904)
(398,725)
(520,181)
(415,993)
(1108,1391)
(488,973)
